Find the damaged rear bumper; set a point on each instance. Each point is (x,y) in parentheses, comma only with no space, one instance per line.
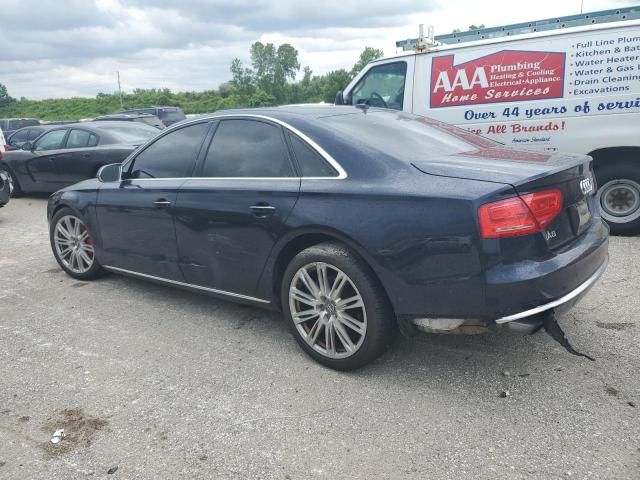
(530,320)
(525,322)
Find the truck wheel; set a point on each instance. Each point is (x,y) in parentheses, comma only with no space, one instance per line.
(619,196)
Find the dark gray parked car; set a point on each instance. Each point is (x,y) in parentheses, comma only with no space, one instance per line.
(67,154)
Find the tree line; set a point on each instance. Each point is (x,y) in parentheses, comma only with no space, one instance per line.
(268,80)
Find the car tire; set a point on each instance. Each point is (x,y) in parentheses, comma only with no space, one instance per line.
(619,196)
(72,246)
(336,312)
(16,191)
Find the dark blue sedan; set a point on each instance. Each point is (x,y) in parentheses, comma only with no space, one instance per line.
(355,223)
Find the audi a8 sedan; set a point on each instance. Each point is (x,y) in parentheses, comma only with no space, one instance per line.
(356,224)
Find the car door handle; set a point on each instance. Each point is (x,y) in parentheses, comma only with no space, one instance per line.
(162,203)
(263,210)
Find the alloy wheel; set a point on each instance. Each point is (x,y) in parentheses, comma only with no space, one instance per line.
(328,310)
(73,244)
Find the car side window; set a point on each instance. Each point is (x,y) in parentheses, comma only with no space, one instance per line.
(172,155)
(81,139)
(310,162)
(34,133)
(247,148)
(382,86)
(51,141)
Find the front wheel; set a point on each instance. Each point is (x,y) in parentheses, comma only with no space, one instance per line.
(72,246)
(336,308)
(619,197)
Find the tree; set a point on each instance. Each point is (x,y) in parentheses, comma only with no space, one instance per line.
(333,82)
(269,81)
(242,78)
(471,28)
(5,99)
(369,54)
(273,68)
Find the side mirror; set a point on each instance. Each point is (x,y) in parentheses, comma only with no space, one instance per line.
(339,98)
(27,146)
(110,173)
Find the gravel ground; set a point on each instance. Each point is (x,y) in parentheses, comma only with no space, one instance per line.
(162,383)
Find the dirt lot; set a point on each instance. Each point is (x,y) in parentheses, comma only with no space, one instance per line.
(161,383)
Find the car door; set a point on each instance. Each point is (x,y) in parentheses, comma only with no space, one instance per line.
(229,216)
(47,150)
(76,164)
(136,214)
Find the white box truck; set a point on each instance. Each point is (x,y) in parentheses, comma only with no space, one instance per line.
(569,84)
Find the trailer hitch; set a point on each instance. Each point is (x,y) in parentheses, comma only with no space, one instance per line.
(552,327)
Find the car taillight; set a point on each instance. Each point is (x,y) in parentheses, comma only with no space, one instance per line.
(529,213)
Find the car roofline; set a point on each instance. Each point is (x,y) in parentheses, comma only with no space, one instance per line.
(342,174)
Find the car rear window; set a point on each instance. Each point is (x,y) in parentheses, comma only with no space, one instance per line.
(406,136)
(21,136)
(136,134)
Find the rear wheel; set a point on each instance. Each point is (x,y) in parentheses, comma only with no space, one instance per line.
(619,196)
(72,246)
(336,307)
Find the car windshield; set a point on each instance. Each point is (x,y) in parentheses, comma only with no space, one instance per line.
(135,134)
(406,135)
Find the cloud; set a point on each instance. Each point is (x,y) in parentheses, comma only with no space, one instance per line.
(52,48)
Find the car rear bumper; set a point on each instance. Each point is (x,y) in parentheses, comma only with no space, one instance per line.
(523,289)
(561,304)
(515,294)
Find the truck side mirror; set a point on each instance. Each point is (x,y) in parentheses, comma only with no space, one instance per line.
(339,98)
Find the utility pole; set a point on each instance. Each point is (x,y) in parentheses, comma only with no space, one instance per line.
(581,6)
(120,90)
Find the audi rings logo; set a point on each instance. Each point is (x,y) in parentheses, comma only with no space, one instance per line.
(586,185)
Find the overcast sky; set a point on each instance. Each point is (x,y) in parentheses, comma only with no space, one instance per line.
(64,48)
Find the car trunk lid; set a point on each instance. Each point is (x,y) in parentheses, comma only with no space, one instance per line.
(529,172)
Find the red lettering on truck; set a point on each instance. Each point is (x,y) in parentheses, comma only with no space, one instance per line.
(505,76)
